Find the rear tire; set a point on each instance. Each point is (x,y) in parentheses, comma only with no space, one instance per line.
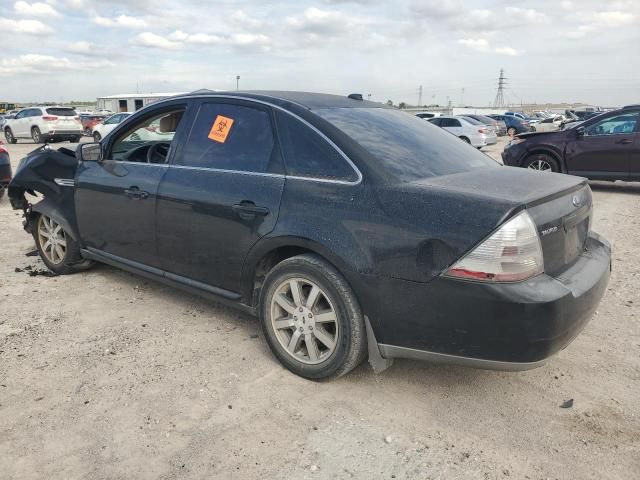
(542,162)
(36,135)
(465,139)
(511,131)
(311,318)
(8,135)
(57,249)
(97,137)
(76,139)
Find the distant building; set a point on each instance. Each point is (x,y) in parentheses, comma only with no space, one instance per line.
(130,102)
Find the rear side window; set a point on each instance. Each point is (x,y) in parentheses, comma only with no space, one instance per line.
(307,154)
(229,137)
(61,112)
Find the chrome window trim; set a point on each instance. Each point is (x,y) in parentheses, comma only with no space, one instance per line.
(65,182)
(262,102)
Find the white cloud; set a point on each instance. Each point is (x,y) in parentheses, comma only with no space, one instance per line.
(240,18)
(151,40)
(34,63)
(36,9)
(317,21)
(29,27)
(613,19)
(528,14)
(479,44)
(241,40)
(124,21)
(510,51)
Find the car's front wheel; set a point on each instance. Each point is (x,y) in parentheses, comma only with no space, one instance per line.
(97,137)
(57,249)
(311,319)
(542,162)
(8,135)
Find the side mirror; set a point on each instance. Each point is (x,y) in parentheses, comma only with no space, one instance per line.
(89,152)
(579,132)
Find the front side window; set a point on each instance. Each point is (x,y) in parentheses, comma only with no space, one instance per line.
(149,140)
(308,154)
(403,147)
(230,137)
(616,125)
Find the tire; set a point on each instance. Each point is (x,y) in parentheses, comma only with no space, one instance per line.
(340,344)
(465,139)
(8,135)
(63,260)
(542,162)
(511,131)
(97,137)
(533,129)
(76,139)
(36,135)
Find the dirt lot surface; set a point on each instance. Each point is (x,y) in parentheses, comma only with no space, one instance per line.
(104,375)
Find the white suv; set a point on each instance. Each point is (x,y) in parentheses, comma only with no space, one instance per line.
(44,124)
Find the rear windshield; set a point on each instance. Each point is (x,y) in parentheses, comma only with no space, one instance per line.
(407,147)
(473,121)
(61,112)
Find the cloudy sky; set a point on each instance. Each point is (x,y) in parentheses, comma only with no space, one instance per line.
(571,50)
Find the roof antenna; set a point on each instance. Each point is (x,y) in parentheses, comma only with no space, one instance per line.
(355,96)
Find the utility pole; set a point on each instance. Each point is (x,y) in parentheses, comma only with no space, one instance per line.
(420,95)
(499,100)
(237,82)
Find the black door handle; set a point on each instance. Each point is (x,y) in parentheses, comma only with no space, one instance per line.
(135,193)
(625,141)
(249,210)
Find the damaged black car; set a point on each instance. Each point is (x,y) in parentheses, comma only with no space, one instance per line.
(351,229)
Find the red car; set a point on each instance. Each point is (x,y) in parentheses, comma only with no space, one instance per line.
(90,121)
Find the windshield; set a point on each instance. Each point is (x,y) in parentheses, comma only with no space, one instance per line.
(407,147)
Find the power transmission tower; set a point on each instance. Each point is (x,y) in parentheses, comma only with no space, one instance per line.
(420,95)
(499,100)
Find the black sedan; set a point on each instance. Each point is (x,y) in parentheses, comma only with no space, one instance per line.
(5,169)
(606,147)
(350,229)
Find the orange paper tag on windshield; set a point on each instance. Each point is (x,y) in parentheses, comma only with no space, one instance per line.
(220,129)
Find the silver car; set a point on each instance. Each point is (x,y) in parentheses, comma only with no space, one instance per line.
(468,129)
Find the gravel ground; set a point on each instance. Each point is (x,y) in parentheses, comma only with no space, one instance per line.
(104,375)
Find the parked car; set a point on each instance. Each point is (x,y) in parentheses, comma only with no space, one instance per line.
(427,115)
(44,124)
(606,147)
(102,129)
(514,124)
(351,229)
(4,118)
(550,124)
(5,169)
(89,121)
(498,125)
(467,129)
(526,118)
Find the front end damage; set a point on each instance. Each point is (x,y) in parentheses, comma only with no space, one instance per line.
(49,174)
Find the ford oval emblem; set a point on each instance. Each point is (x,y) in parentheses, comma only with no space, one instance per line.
(577,200)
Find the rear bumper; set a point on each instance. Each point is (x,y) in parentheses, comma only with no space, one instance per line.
(63,133)
(500,326)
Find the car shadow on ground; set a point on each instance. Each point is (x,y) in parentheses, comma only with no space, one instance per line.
(615,187)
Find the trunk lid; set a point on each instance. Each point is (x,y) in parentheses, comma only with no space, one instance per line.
(560,205)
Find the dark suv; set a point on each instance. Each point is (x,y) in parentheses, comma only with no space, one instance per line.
(606,147)
(350,228)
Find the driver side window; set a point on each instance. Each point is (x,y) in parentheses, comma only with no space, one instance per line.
(617,125)
(149,140)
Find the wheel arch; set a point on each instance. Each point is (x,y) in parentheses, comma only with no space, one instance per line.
(48,208)
(547,151)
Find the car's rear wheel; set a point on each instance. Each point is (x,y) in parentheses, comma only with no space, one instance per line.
(36,135)
(542,163)
(8,135)
(76,139)
(511,131)
(57,249)
(97,137)
(465,139)
(311,318)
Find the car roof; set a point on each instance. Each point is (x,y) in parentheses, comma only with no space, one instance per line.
(306,100)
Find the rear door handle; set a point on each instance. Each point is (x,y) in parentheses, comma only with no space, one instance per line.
(136,193)
(248,210)
(625,141)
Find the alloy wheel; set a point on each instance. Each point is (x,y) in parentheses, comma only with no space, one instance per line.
(35,134)
(53,240)
(304,320)
(540,165)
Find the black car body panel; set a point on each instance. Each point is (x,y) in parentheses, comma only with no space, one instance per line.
(5,170)
(582,151)
(214,231)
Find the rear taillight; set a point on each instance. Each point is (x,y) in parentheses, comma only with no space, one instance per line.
(511,254)
(49,118)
